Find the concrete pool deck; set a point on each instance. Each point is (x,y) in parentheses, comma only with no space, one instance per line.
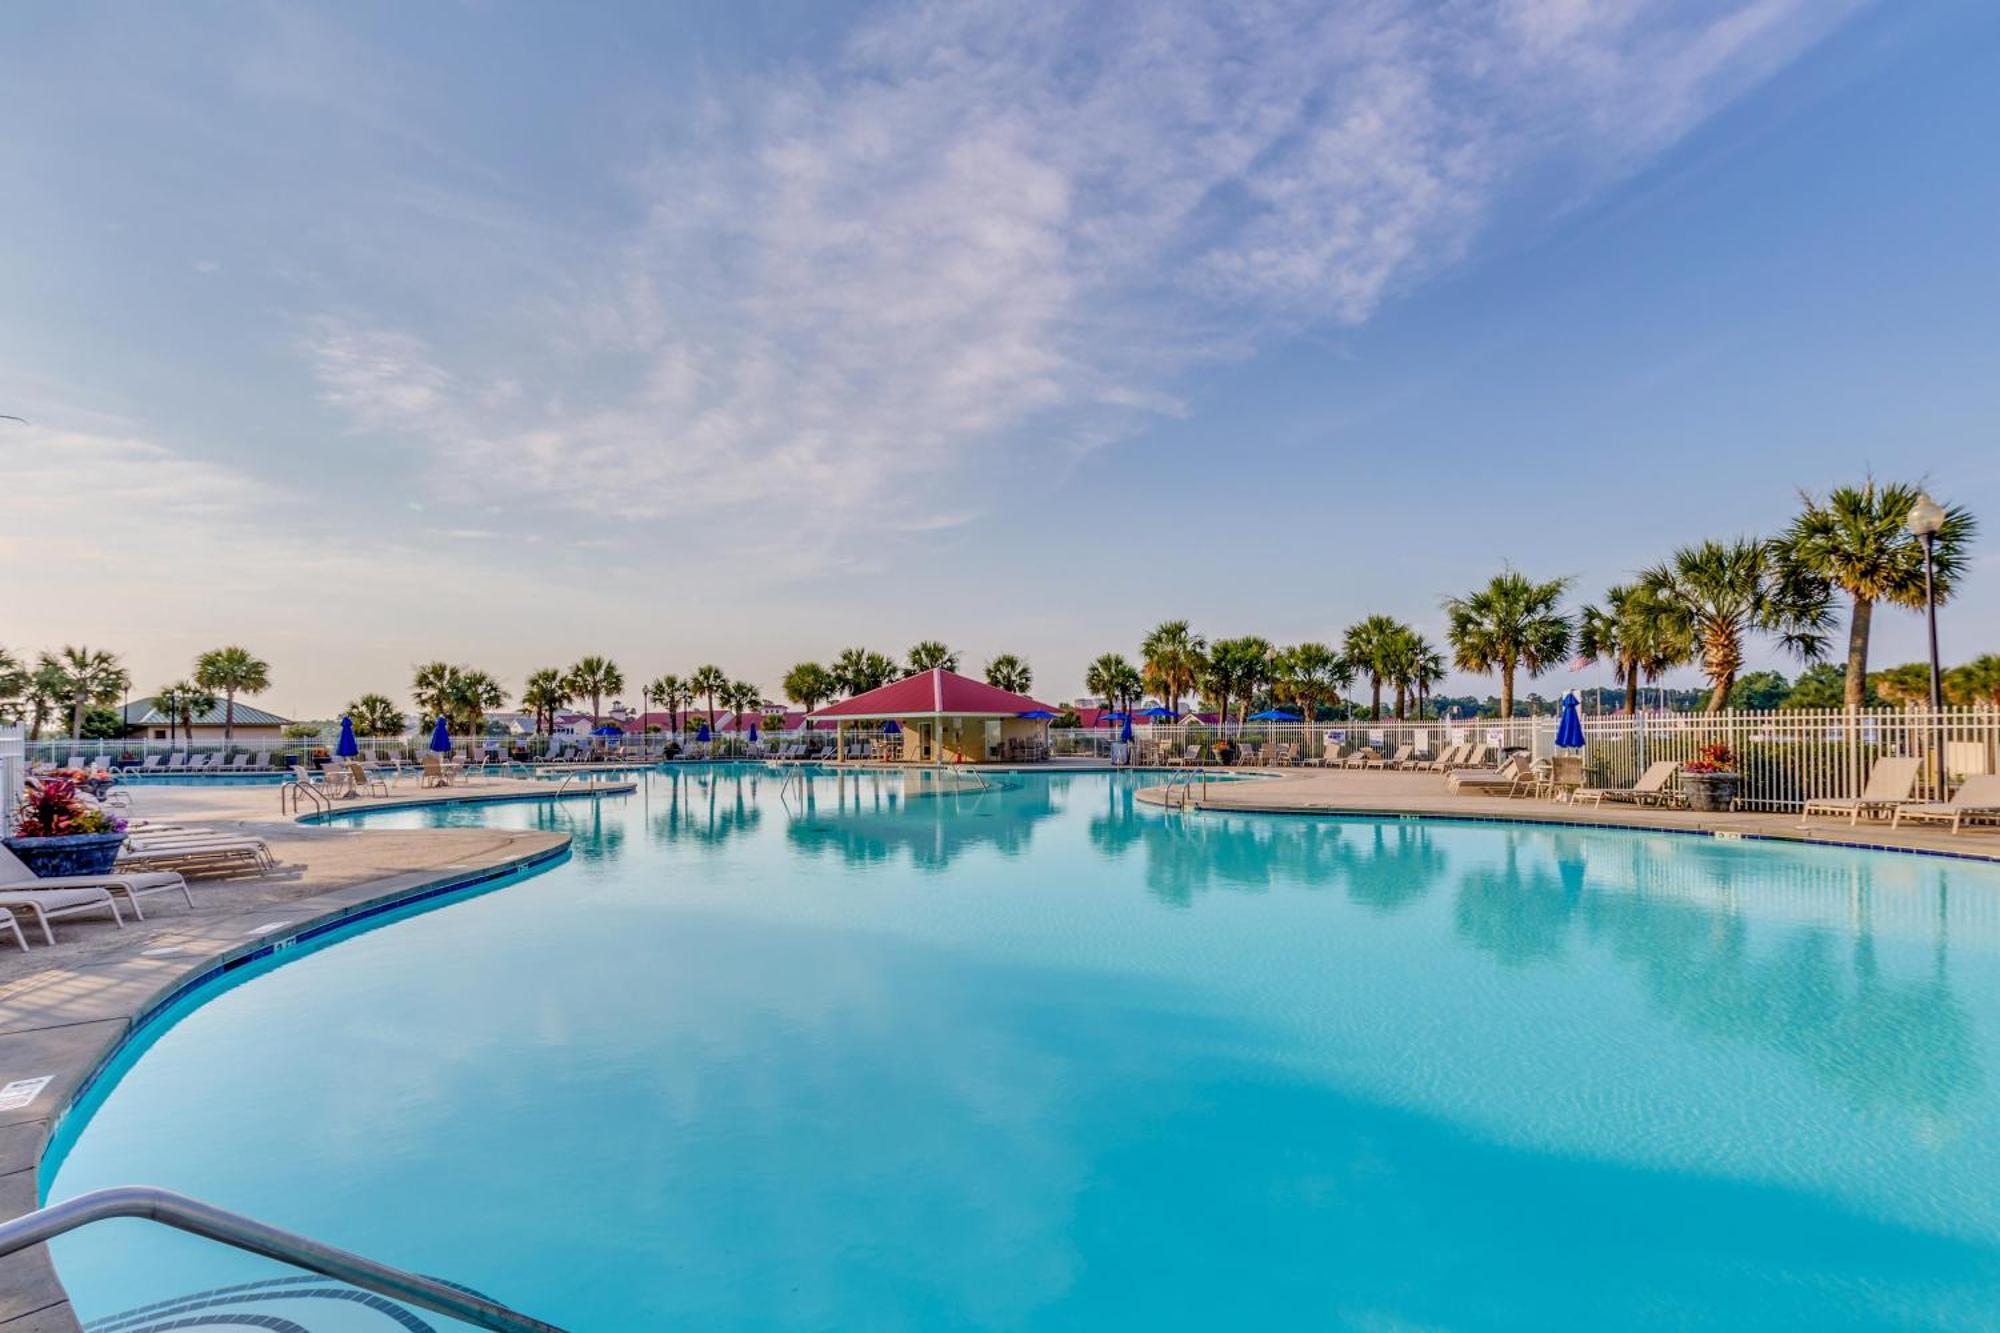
(1376,792)
(65,1009)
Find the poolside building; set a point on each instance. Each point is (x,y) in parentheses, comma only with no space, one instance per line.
(145,718)
(946,718)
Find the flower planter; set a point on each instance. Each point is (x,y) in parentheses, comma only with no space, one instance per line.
(77,854)
(1714,793)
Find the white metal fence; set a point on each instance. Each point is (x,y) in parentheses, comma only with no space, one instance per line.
(13,765)
(1785,758)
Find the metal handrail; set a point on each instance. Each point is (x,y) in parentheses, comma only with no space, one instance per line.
(296,789)
(192,1215)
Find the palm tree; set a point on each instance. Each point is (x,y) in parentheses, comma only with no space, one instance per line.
(1631,632)
(709,682)
(472,695)
(1237,668)
(547,693)
(431,689)
(1715,595)
(48,694)
(1512,624)
(858,671)
(1858,539)
(1010,673)
(1364,645)
(1173,658)
(14,680)
(231,671)
(183,702)
(740,697)
(1429,671)
(596,677)
(930,654)
(1309,674)
(376,715)
(1401,662)
(87,678)
(1114,680)
(809,685)
(1977,682)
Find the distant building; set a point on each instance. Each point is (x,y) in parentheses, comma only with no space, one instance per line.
(143,717)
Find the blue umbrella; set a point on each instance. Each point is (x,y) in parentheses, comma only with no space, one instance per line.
(753,733)
(1569,727)
(609,729)
(346,747)
(1125,732)
(701,737)
(1274,715)
(1036,715)
(1156,712)
(892,728)
(441,737)
(1114,717)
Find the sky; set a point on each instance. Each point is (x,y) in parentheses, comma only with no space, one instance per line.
(368,334)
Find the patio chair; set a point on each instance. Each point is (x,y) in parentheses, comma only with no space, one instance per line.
(437,773)
(1361,758)
(76,763)
(196,851)
(1503,779)
(42,906)
(1978,797)
(1653,788)
(1890,783)
(1397,760)
(152,764)
(15,878)
(361,784)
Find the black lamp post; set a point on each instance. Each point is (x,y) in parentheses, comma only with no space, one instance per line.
(1926,521)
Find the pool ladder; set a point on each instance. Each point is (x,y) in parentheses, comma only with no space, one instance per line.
(248,1234)
(296,793)
(1179,793)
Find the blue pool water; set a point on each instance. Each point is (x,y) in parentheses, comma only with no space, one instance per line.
(862,1057)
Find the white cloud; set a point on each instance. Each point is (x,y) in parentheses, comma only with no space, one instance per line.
(995,229)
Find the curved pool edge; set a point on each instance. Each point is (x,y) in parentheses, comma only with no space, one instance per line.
(1258,799)
(76,1056)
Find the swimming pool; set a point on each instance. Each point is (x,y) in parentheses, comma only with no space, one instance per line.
(838,1053)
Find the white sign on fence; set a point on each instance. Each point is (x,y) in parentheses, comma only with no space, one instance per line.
(1375,735)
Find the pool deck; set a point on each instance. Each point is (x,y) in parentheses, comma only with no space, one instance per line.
(64,1009)
(1374,792)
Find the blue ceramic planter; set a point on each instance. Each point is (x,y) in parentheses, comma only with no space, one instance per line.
(78,854)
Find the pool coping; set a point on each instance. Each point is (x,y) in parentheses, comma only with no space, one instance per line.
(32,1297)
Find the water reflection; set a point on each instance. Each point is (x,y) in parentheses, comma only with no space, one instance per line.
(932,819)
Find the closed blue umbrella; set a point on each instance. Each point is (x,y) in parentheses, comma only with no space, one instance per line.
(1125,732)
(1569,727)
(753,733)
(701,737)
(441,737)
(346,747)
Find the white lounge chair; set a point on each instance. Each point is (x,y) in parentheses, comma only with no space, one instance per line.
(42,906)
(1978,797)
(1487,780)
(1652,788)
(15,877)
(1890,783)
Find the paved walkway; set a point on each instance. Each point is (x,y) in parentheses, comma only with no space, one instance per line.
(1379,792)
(64,1009)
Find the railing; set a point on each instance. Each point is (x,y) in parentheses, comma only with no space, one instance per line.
(248,1234)
(13,769)
(293,795)
(1785,758)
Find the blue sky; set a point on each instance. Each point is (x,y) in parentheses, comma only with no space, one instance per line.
(368,334)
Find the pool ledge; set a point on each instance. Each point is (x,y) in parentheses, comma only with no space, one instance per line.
(1364,795)
(66,1024)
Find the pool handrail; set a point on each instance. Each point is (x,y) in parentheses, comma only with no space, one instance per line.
(152,1204)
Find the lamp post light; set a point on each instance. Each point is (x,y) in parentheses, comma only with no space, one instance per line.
(1926,521)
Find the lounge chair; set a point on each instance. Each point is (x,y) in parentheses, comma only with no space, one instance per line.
(152,764)
(1503,779)
(1978,797)
(1890,783)
(176,762)
(9,923)
(241,763)
(263,759)
(44,905)
(76,764)
(1652,788)
(1396,760)
(1361,758)
(15,877)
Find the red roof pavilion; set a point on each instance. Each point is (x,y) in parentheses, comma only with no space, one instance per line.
(935,693)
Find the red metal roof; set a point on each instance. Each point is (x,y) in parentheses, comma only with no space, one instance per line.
(935,693)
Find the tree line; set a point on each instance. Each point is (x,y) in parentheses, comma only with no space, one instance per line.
(85,682)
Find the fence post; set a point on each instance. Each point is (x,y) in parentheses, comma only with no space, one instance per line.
(13,773)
